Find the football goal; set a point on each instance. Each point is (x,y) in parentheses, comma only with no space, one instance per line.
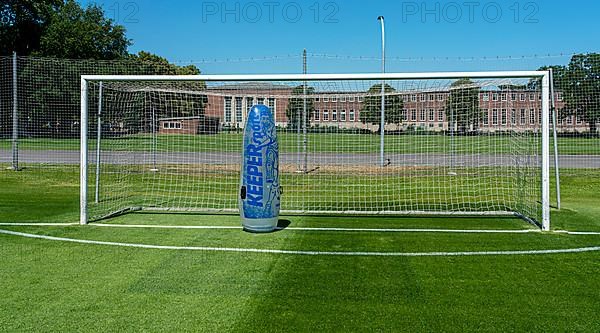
(463,143)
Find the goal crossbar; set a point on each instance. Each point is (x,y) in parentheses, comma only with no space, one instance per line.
(545,108)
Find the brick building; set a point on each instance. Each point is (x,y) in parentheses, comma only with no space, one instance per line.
(502,110)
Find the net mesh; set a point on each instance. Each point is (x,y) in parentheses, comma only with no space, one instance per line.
(450,146)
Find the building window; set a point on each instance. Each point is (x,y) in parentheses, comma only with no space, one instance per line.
(325,115)
(239,114)
(343,115)
(326,99)
(317,99)
(227,109)
(334,99)
(413,115)
(273,106)
(172,125)
(351,99)
(485,97)
(503,96)
(578,120)
(343,99)
(522,97)
(531,97)
(532,116)
(413,98)
(559,96)
(440,97)
(423,97)
(260,100)
(249,103)
(494,97)
(513,117)
(503,116)
(486,117)
(513,97)
(495,117)
(360,99)
(431,115)
(317,115)
(352,115)
(431,97)
(523,117)
(334,115)
(570,120)
(441,115)
(422,115)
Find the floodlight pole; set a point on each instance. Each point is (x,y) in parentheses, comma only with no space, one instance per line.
(382,123)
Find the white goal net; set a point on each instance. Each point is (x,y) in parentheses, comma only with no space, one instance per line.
(452,143)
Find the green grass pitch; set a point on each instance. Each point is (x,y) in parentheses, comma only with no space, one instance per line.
(317,142)
(59,286)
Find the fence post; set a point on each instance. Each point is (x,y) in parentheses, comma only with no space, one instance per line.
(15,116)
(98,138)
(555,136)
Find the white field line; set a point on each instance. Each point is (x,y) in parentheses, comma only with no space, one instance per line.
(209,227)
(303,252)
(326,229)
(18,224)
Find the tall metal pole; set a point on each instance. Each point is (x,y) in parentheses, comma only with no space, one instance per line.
(15,122)
(154,137)
(555,136)
(98,137)
(305,116)
(83,158)
(546,152)
(382,123)
(298,139)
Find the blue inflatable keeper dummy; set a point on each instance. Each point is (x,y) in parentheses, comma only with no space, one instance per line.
(260,193)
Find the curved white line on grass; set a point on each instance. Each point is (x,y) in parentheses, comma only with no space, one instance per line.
(324,229)
(308,253)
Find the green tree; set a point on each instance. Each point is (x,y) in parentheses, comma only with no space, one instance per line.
(462,106)
(370,112)
(161,66)
(83,33)
(582,88)
(579,83)
(22,24)
(296,107)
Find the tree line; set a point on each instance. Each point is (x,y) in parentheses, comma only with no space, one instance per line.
(83,41)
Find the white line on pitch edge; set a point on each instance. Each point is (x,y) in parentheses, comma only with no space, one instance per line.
(325,229)
(302,252)
(209,227)
(20,224)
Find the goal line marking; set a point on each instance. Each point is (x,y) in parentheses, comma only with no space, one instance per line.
(217,227)
(325,229)
(306,252)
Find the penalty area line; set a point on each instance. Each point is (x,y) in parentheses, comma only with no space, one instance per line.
(305,252)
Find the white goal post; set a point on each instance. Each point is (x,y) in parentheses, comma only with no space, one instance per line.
(439,163)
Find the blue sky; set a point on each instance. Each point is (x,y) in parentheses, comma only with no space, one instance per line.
(203,31)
